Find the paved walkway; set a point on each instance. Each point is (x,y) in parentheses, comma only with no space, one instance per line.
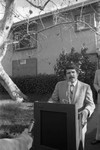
(91,133)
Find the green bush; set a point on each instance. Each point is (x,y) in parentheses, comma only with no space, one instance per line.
(41,84)
(86,67)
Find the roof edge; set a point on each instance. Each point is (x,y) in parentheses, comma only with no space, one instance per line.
(74,6)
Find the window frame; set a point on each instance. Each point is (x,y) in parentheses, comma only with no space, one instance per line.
(81,25)
(19,37)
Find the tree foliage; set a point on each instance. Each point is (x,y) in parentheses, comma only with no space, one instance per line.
(81,59)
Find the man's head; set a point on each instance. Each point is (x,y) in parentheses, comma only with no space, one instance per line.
(71,72)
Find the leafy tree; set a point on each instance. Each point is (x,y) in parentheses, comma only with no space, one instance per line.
(86,66)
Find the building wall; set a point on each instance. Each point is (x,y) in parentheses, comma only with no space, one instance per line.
(61,38)
(24,67)
(24,63)
(50,43)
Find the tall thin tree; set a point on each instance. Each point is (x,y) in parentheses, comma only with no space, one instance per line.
(5,26)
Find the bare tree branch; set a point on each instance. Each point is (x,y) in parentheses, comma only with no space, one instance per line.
(39,7)
(46,4)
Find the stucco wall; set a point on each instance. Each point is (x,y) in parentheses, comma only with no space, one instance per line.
(50,43)
(61,38)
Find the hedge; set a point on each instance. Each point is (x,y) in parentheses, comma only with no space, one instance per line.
(42,84)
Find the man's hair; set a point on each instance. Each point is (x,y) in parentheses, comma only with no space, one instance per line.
(71,66)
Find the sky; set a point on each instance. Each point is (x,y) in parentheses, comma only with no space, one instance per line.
(23,7)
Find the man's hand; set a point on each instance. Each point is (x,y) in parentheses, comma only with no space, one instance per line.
(50,101)
(84,114)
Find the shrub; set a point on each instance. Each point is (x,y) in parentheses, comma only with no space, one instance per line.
(86,67)
(40,84)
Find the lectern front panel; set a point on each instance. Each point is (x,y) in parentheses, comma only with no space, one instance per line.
(55,126)
(53,130)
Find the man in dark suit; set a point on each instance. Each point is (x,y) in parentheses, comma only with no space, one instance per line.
(73,91)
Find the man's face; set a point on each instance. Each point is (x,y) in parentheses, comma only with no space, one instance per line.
(71,75)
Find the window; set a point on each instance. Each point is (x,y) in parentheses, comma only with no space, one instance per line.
(55,18)
(63,17)
(24,39)
(84,21)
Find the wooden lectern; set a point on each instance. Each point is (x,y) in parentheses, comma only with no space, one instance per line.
(56,126)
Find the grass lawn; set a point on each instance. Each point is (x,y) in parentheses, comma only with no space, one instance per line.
(32,97)
(14,120)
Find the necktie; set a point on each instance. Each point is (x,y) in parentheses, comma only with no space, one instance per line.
(71,91)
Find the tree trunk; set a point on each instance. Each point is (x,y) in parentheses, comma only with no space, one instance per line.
(5,26)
